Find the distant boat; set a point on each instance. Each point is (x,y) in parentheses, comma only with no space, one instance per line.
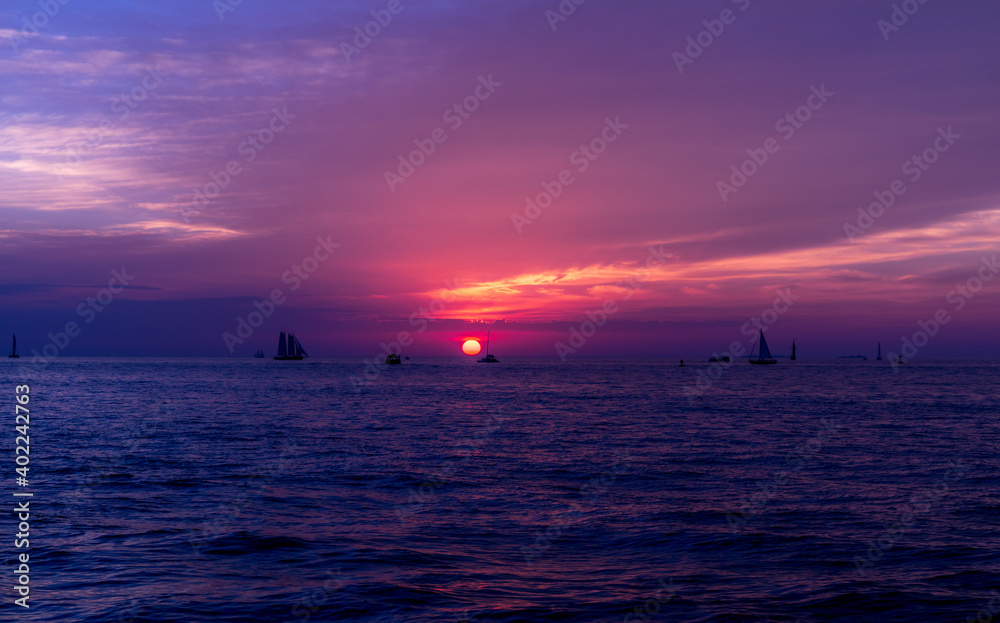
(723,358)
(13,350)
(764,356)
(488,358)
(259,354)
(393,360)
(682,364)
(289,348)
(793,350)
(879,358)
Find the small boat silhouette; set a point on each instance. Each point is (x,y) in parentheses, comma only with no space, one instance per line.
(289,348)
(488,358)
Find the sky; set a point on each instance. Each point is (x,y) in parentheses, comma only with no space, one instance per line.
(575,158)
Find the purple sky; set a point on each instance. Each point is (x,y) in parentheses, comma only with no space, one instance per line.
(94,183)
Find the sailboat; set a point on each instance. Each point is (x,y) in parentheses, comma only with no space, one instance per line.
(879,358)
(13,351)
(764,356)
(259,354)
(488,358)
(289,348)
(793,350)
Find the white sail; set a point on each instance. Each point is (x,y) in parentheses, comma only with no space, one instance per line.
(282,352)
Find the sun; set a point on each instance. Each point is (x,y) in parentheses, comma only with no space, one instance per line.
(471,347)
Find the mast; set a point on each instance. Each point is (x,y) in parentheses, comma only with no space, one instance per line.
(793,350)
(879,358)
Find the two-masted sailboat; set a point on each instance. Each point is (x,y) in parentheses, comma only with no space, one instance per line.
(289,348)
(488,358)
(13,350)
(764,354)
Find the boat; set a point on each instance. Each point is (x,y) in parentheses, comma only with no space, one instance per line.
(722,359)
(764,355)
(879,358)
(13,350)
(289,348)
(793,350)
(393,360)
(488,358)
(682,364)
(259,354)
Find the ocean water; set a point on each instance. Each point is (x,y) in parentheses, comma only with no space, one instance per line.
(254,490)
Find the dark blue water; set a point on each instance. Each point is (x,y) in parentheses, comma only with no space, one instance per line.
(210,490)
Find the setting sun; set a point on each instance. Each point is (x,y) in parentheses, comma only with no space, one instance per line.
(471,347)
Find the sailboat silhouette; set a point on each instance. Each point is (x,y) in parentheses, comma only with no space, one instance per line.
(764,355)
(488,358)
(289,348)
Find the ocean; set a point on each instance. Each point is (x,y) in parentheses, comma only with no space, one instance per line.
(598,491)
